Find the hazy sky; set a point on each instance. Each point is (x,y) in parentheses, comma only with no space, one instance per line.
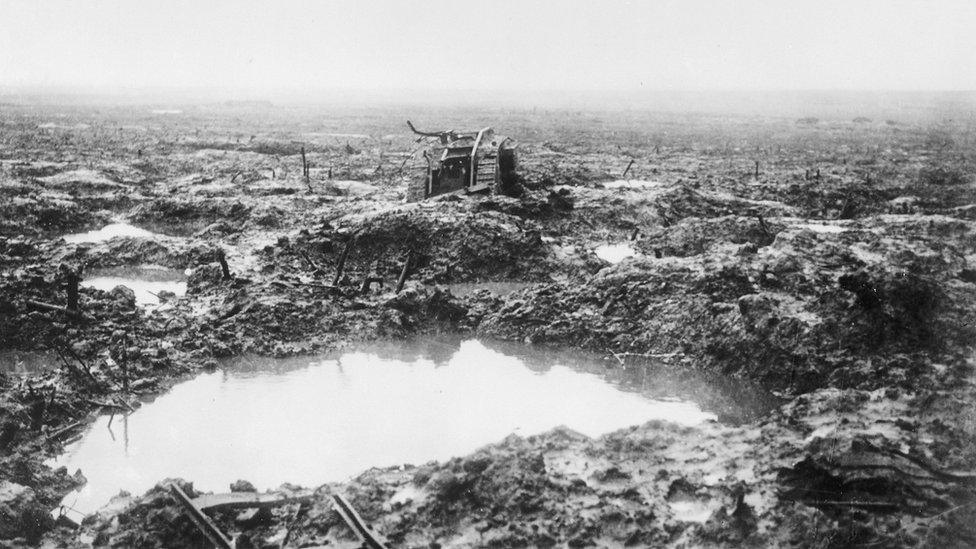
(498,44)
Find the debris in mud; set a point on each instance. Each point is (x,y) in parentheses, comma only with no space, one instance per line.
(840,276)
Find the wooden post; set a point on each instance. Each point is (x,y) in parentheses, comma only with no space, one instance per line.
(124,358)
(72,279)
(757,169)
(342,262)
(55,308)
(305,170)
(403,273)
(628,168)
(764,227)
(222,259)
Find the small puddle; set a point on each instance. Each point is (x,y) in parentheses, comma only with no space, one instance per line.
(109,232)
(615,253)
(693,510)
(630,184)
(464,289)
(147,282)
(823,228)
(310,420)
(354,188)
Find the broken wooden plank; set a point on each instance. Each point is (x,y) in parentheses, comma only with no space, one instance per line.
(64,430)
(342,261)
(356,523)
(56,308)
(883,505)
(628,168)
(247,500)
(200,520)
(94,402)
(403,273)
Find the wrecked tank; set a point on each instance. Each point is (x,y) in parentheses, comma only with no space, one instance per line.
(466,162)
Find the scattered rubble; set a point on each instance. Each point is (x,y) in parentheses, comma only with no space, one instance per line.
(831,261)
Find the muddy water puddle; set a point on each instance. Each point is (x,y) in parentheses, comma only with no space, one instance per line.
(108,232)
(615,253)
(693,510)
(823,228)
(149,283)
(128,230)
(631,184)
(311,420)
(463,289)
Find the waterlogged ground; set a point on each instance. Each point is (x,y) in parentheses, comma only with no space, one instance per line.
(840,278)
(312,420)
(147,283)
(108,232)
(614,253)
(464,289)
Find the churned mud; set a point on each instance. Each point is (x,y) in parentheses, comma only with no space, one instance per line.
(823,273)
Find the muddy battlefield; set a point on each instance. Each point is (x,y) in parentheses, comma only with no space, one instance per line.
(253,324)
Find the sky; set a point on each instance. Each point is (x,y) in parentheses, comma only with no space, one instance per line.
(388,45)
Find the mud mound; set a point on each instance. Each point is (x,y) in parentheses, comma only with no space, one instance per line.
(254,320)
(848,478)
(15,251)
(21,513)
(175,211)
(641,306)
(81,181)
(135,251)
(810,304)
(419,308)
(652,207)
(37,169)
(38,215)
(532,205)
(447,244)
(683,201)
(693,236)
(932,190)
(156,522)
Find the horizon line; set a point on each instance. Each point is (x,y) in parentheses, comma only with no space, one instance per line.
(100,88)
